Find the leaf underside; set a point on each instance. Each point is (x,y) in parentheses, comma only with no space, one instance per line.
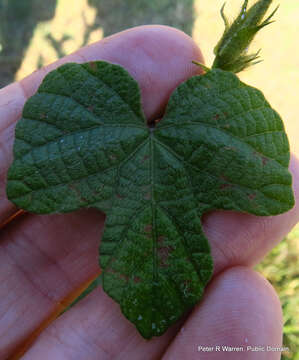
(83,141)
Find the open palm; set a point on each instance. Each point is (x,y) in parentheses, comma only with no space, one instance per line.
(45,258)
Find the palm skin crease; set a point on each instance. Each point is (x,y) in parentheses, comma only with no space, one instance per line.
(83,141)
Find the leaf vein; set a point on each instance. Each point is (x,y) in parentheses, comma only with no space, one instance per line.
(115,92)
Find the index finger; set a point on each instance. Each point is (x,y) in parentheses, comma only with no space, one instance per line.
(158,63)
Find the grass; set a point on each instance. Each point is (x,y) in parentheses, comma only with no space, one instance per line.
(280,267)
(44,31)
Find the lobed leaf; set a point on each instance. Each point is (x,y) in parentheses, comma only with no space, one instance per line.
(83,142)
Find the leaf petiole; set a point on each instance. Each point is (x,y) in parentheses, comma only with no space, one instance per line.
(204,67)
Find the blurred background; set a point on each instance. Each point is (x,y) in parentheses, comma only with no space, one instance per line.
(34,33)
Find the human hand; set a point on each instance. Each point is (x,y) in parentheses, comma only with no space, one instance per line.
(44,258)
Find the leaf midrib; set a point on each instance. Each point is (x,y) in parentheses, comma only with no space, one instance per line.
(81,178)
(239,139)
(70,134)
(183,161)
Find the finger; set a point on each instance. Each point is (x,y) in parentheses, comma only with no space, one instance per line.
(38,250)
(242,239)
(11,102)
(40,265)
(36,272)
(158,57)
(96,329)
(240,309)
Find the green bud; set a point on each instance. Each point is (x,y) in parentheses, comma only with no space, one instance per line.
(231,50)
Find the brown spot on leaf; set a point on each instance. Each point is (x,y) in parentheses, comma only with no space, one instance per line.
(119,196)
(187,283)
(136,279)
(116,273)
(148,196)
(252,196)
(43,116)
(163,253)
(264,160)
(160,239)
(74,189)
(148,228)
(145,158)
(225,186)
(112,157)
(98,190)
(223,177)
(123,276)
(230,148)
(216,117)
(93,65)
(110,271)
(146,188)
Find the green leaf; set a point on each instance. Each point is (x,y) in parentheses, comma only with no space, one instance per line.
(83,141)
